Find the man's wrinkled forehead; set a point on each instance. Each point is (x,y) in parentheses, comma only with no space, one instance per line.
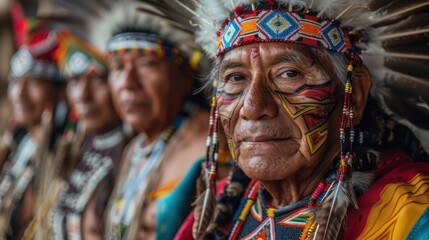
(274,52)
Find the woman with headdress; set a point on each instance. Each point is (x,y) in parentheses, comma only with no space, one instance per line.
(325,160)
(35,91)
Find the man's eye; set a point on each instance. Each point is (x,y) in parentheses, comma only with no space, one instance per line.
(289,74)
(234,78)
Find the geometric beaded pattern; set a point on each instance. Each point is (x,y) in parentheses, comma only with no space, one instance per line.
(282,26)
(146,44)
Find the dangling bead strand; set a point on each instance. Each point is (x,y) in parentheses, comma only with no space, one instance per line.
(346,123)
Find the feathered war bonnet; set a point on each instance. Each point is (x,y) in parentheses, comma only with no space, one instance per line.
(37,56)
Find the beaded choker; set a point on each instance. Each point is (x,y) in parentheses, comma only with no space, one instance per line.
(302,218)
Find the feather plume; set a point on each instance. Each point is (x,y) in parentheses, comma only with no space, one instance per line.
(295,3)
(414,25)
(204,211)
(415,112)
(398,10)
(105,18)
(332,211)
(374,5)
(330,7)
(230,5)
(398,54)
(362,181)
(407,86)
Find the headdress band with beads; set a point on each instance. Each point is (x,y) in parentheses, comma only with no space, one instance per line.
(77,58)
(146,43)
(24,64)
(282,26)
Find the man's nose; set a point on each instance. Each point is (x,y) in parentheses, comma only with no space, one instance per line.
(258,101)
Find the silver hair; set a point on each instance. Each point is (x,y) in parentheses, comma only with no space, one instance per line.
(339,62)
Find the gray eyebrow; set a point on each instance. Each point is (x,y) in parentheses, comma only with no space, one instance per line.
(230,65)
(295,56)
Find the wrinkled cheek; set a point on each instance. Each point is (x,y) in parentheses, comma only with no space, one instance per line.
(227,107)
(311,118)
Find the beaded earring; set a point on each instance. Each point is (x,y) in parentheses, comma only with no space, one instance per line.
(346,158)
(341,195)
(208,205)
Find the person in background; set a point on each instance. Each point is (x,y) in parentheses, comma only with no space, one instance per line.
(152,76)
(36,94)
(94,151)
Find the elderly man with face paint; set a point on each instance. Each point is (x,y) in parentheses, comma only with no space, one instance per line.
(35,88)
(323,159)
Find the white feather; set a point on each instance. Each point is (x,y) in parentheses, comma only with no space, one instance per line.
(121,16)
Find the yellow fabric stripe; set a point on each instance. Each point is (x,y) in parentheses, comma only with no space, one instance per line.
(399,208)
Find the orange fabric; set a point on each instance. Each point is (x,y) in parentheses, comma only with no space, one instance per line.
(311,29)
(249,26)
(161,191)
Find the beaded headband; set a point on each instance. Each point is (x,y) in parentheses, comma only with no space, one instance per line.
(24,64)
(146,43)
(77,58)
(282,26)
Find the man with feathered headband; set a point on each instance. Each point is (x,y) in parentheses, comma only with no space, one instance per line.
(153,62)
(35,89)
(324,159)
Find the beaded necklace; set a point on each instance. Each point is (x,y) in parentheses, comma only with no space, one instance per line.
(304,215)
(19,171)
(143,162)
(95,164)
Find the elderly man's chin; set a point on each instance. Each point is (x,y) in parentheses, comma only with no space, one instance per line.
(270,162)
